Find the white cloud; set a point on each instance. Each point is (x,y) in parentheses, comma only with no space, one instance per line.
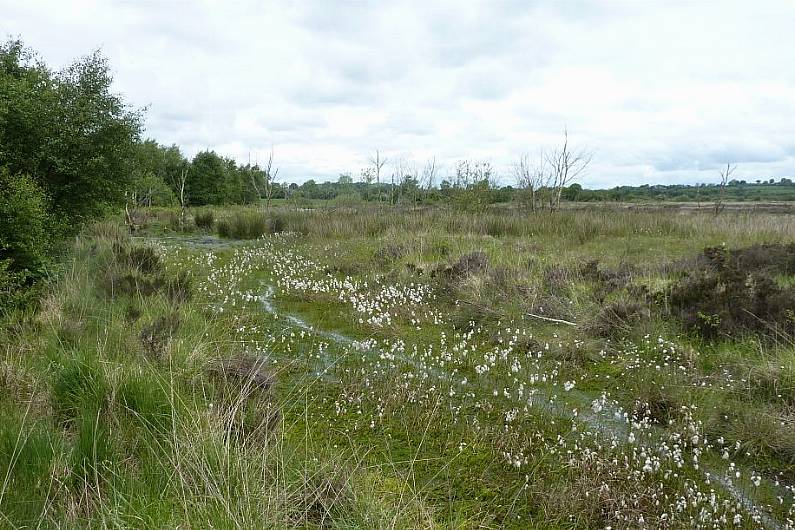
(663,92)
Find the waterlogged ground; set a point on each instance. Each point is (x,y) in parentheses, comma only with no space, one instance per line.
(519,423)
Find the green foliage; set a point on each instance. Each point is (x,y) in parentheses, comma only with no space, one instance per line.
(93,451)
(206,179)
(24,238)
(212,179)
(150,190)
(13,292)
(66,152)
(24,230)
(148,403)
(730,292)
(67,130)
(27,456)
(347,200)
(165,163)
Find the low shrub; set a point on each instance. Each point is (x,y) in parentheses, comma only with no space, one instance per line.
(467,265)
(559,279)
(733,293)
(142,259)
(179,288)
(390,253)
(16,289)
(247,401)
(616,319)
(607,279)
(25,226)
(156,337)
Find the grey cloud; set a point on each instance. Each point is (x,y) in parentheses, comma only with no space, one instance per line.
(327,82)
(713,157)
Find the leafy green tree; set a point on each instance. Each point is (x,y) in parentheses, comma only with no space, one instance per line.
(147,189)
(571,193)
(165,163)
(67,130)
(206,181)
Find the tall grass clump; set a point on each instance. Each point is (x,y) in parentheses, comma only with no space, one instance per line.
(204,220)
(29,452)
(243,225)
(79,384)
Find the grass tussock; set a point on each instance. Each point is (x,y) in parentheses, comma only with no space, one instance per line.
(204,220)
(244,225)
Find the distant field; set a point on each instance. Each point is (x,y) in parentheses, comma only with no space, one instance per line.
(398,368)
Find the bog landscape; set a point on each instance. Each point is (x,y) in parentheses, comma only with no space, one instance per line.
(200,343)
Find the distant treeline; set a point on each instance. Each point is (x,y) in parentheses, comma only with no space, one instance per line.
(410,191)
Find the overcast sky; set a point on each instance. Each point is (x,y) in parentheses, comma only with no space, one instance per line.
(662,92)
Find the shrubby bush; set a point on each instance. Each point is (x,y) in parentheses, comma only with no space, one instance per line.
(25,226)
(24,237)
(67,130)
(732,292)
(66,152)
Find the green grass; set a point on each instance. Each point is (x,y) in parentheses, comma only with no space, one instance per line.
(114,412)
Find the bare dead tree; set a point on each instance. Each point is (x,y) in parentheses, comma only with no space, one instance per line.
(428,177)
(183,202)
(253,175)
(725,175)
(565,165)
(128,217)
(378,163)
(270,175)
(530,176)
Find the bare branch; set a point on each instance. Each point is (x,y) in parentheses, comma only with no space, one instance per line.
(378,163)
(566,165)
(270,179)
(429,173)
(725,175)
(530,176)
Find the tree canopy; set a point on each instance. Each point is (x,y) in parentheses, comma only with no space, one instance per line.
(67,130)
